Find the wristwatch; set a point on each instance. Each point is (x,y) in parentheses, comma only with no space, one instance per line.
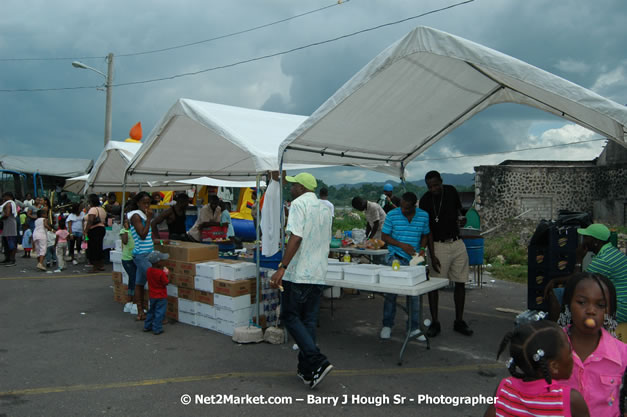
(281,265)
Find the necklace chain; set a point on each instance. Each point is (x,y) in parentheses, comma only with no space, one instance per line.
(437,215)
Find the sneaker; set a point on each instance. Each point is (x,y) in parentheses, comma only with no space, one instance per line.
(147,329)
(320,373)
(74,262)
(57,270)
(157,333)
(434,329)
(40,266)
(460,326)
(133,309)
(127,307)
(386,332)
(305,378)
(12,263)
(415,332)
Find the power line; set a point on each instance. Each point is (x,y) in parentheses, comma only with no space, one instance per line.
(185,45)
(504,152)
(187,74)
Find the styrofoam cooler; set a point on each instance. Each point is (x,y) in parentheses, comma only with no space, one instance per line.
(173,290)
(203,283)
(362,273)
(405,276)
(117,267)
(115,256)
(208,269)
(335,270)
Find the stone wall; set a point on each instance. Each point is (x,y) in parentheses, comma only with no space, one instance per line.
(505,191)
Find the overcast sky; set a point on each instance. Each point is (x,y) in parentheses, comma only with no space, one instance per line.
(580,40)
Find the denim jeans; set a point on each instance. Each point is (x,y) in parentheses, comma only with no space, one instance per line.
(131,271)
(389,305)
(142,264)
(156,314)
(75,243)
(300,304)
(51,254)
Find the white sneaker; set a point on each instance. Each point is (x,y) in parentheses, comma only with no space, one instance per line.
(127,307)
(420,338)
(57,270)
(133,309)
(386,332)
(74,262)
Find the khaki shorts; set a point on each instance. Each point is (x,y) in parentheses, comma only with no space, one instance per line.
(453,261)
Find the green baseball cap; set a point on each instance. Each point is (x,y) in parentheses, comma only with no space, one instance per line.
(597,231)
(305,179)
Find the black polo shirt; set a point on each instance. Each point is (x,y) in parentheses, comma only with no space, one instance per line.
(395,201)
(445,210)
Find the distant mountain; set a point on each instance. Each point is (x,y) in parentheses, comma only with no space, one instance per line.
(465,179)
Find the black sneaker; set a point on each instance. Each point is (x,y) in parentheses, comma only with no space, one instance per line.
(434,329)
(460,326)
(320,373)
(12,263)
(305,378)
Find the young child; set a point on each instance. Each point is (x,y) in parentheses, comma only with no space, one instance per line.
(599,359)
(40,238)
(129,266)
(157,277)
(51,255)
(61,244)
(540,354)
(27,243)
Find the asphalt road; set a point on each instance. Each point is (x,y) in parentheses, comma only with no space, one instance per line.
(67,349)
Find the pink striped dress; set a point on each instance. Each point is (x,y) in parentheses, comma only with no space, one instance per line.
(516,397)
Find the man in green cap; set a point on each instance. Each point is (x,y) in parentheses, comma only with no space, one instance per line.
(301,274)
(608,261)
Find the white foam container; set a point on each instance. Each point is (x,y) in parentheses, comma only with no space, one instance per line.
(362,273)
(405,276)
(206,322)
(335,271)
(205,309)
(237,272)
(117,267)
(173,290)
(187,306)
(208,269)
(115,256)
(187,318)
(241,315)
(232,303)
(203,283)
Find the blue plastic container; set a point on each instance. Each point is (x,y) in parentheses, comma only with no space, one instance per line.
(269,261)
(474,247)
(244,229)
(190,219)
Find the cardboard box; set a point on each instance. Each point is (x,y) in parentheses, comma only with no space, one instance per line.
(172,310)
(187,293)
(232,303)
(232,288)
(187,306)
(117,277)
(183,281)
(205,310)
(204,297)
(203,283)
(188,251)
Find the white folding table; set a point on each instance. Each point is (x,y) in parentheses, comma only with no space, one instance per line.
(418,290)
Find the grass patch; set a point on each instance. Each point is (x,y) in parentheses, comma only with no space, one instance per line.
(505,249)
(512,273)
(344,221)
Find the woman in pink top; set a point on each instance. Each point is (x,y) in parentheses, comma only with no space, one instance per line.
(540,353)
(599,358)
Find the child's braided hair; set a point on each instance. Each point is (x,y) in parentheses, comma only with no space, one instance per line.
(532,345)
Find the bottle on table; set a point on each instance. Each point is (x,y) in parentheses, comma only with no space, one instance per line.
(346,257)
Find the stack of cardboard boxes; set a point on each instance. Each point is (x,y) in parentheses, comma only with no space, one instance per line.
(205,291)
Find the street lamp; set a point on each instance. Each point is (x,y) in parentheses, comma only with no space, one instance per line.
(109,87)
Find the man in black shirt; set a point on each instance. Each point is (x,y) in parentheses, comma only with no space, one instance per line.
(449,258)
(389,201)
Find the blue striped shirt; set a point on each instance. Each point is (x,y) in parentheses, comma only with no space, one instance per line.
(142,245)
(399,228)
(613,264)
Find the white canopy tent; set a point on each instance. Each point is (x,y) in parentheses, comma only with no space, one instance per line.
(214,182)
(108,171)
(76,185)
(424,86)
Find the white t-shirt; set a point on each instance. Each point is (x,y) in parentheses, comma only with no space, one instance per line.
(329,205)
(77,222)
(374,212)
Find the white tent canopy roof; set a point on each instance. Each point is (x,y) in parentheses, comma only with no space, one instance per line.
(58,167)
(424,86)
(198,138)
(108,172)
(214,182)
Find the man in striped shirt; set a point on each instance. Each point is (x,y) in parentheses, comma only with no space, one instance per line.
(608,261)
(405,230)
